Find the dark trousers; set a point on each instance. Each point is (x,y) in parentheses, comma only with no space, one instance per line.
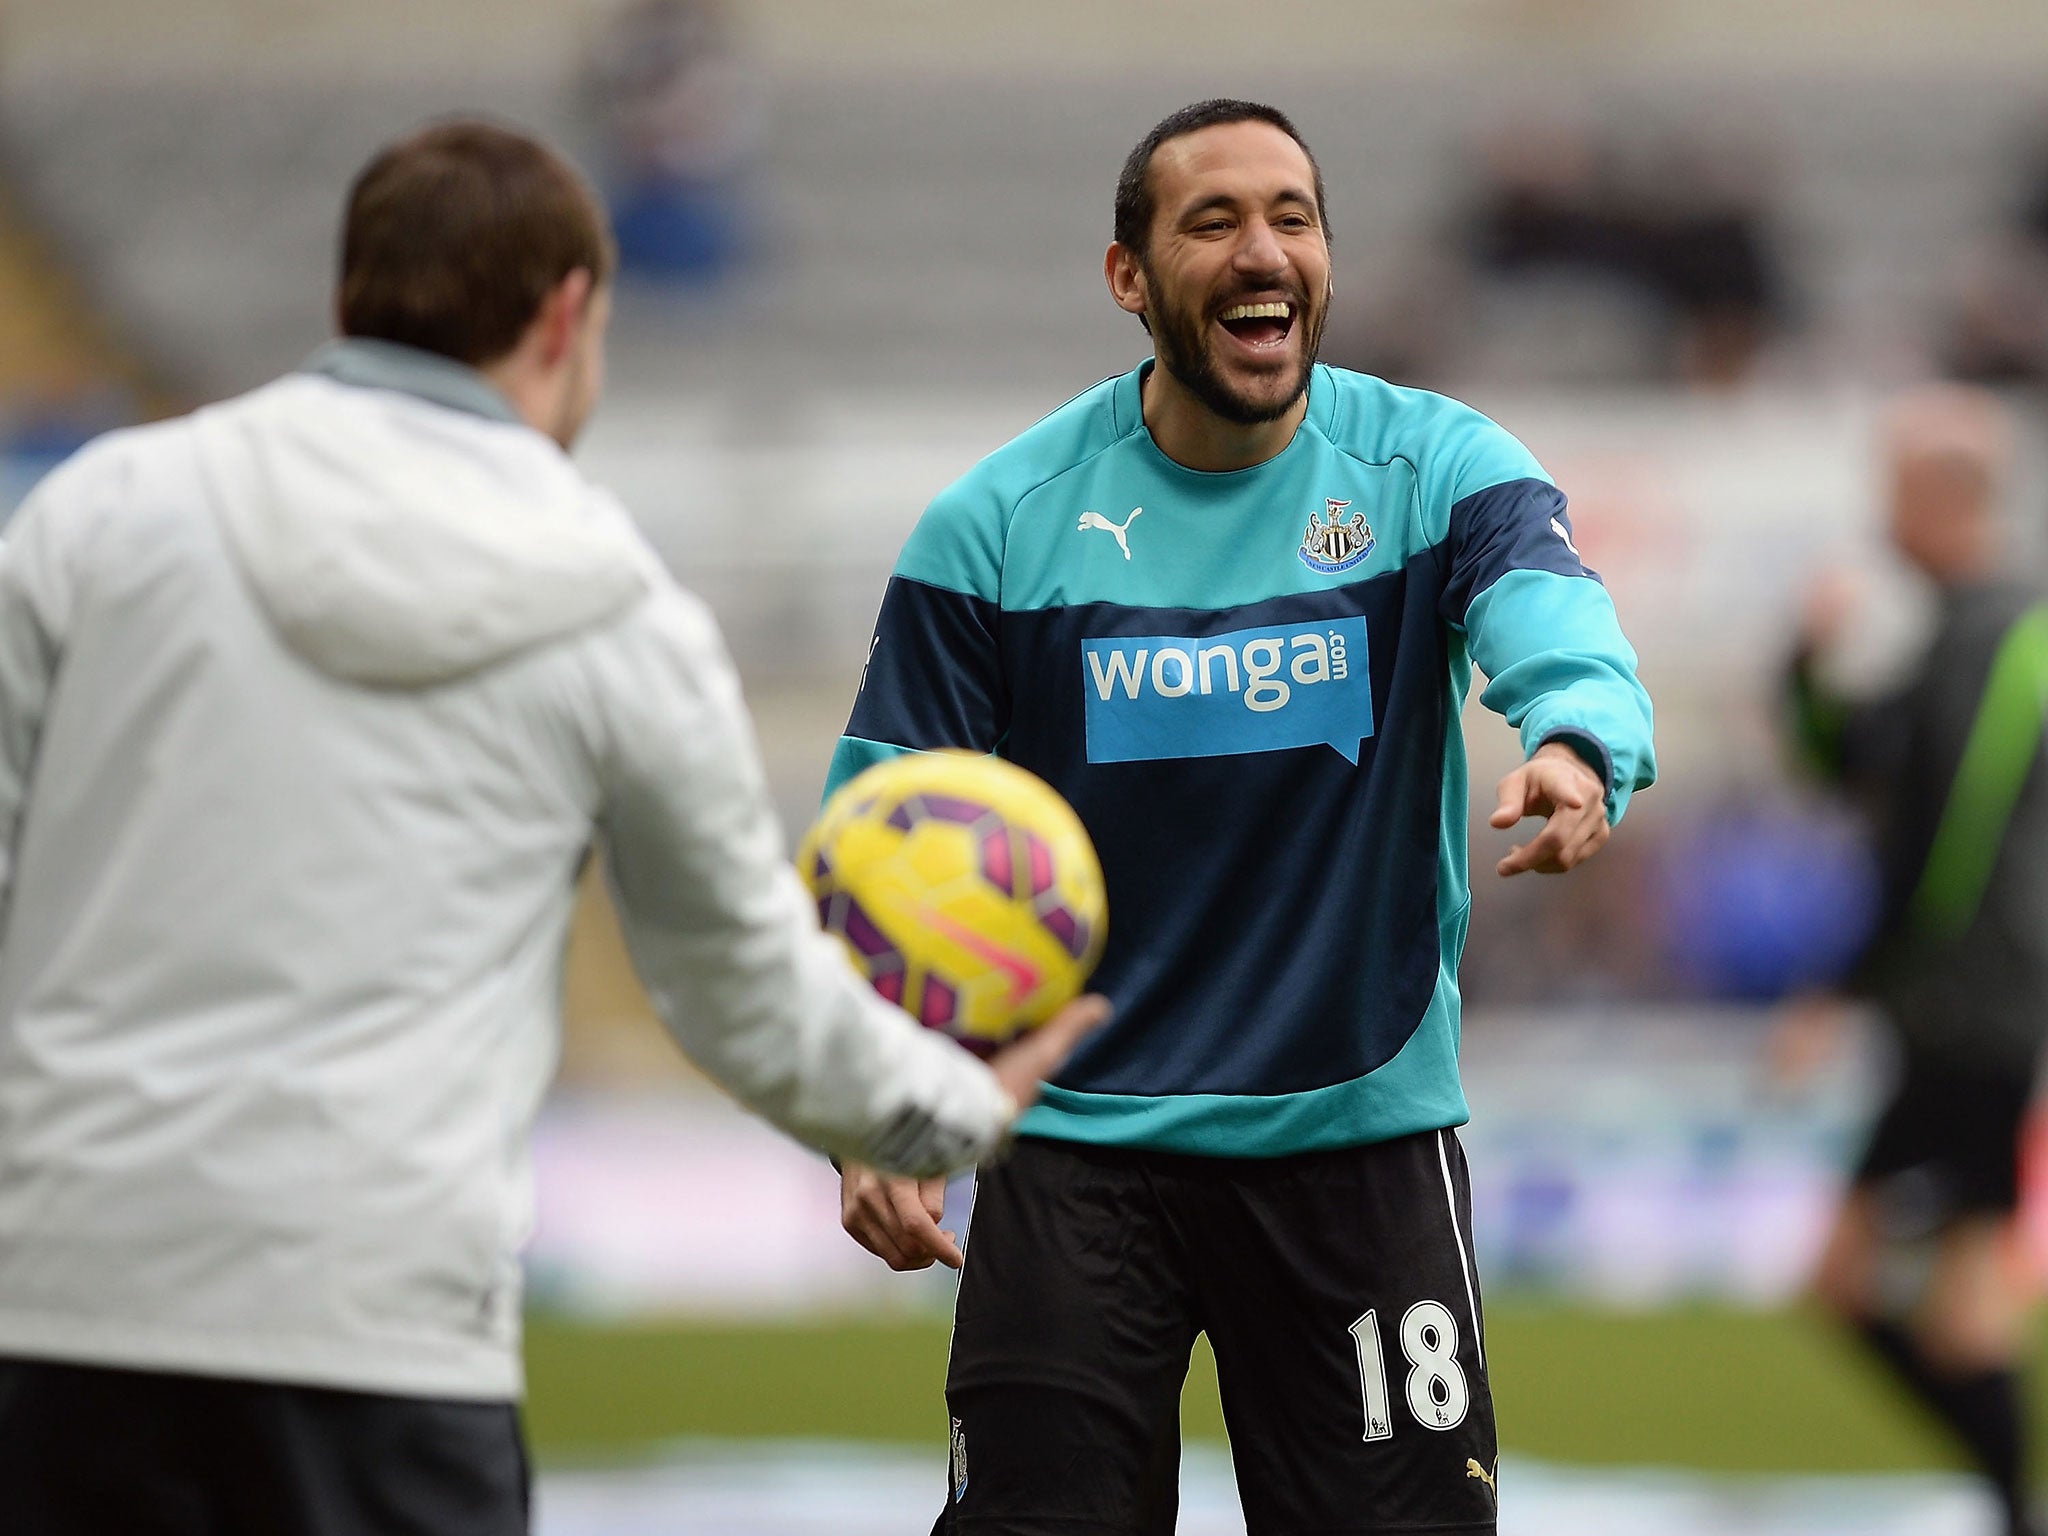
(87,1451)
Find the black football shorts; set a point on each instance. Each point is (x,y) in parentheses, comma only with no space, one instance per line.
(1338,1293)
(86,1451)
(1946,1145)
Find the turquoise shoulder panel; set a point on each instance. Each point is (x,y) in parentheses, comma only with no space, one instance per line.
(1119,522)
(959,542)
(1456,450)
(1558,663)
(1135,529)
(1127,525)
(852,755)
(1417,1091)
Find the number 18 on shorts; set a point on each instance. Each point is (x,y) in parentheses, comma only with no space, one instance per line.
(1337,1291)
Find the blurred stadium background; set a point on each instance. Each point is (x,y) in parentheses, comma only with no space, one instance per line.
(1683,251)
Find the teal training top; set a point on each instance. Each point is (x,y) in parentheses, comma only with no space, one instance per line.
(1249,686)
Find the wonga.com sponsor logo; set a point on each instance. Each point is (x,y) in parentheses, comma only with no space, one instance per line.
(1252,690)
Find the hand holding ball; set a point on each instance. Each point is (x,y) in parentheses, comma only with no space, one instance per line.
(965,889)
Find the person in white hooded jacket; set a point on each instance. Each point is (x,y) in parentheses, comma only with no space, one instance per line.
(312,705)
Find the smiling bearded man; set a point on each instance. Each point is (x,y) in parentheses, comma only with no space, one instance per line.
(1252,697)
(1261,301)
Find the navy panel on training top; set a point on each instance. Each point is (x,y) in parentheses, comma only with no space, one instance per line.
(907,699)
(1214,936)
(1521,525)
(1248,683)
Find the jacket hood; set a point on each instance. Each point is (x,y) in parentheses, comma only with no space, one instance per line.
(401,543)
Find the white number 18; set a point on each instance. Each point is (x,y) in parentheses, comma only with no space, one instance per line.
(1436,1390)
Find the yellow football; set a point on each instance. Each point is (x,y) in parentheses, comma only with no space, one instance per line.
(966,891)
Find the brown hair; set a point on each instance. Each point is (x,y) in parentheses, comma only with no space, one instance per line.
(455,234)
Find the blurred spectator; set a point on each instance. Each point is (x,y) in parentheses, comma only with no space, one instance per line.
(1948,768)
(1998,330)
(1545,200)
(1680,237)
(1997,326)
(1706,218)
(683,113)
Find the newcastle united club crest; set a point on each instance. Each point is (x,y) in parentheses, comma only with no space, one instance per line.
(1333,542)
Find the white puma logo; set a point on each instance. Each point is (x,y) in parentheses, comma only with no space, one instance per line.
(1097,520)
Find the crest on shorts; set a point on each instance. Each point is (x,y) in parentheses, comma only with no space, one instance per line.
(959,1462)
(1333,541)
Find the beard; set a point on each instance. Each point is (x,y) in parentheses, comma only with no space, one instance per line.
(1180,338)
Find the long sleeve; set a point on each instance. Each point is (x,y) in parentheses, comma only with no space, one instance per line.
(1542,628)
(34,608)
(934,672)
(726,939)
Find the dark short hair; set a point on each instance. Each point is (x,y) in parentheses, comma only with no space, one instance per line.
(455,234)
(1135,204)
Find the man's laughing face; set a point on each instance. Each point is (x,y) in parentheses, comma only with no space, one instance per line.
(1237,269)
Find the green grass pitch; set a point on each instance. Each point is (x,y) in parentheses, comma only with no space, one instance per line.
(1702,1387)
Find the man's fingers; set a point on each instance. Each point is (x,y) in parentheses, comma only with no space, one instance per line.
(1514,801)
(1080,1018)
(877,1241)
(867,1223)
(915,1230)
(1568,838)
(872,1209)
(1594,840)
(1562,790)
(1541,850)
(1034,1057)
(898,1219)
(1543,786)
(1582,837)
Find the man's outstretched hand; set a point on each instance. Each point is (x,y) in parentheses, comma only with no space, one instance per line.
(1025,1063)
(897,1219)
(1562,787)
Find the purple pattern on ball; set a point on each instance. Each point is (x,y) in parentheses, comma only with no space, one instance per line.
(1068,929)
(862,934)
(950,808)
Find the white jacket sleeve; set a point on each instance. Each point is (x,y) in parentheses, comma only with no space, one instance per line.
(725,937)
(34,608)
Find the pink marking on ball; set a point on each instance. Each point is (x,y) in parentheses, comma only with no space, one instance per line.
(996,864)
(938,1005)
(1041,865)
(1024,976)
